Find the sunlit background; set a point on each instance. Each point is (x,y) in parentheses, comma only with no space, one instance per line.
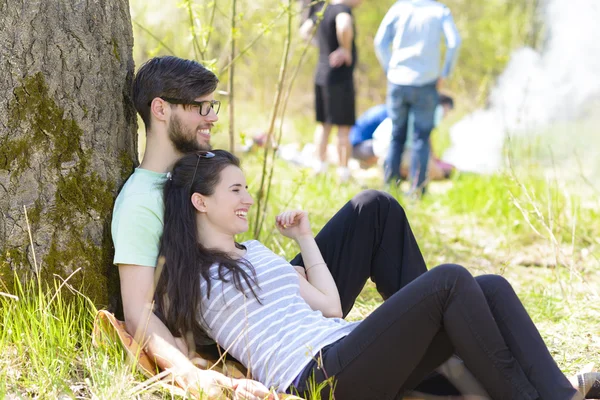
(526,84)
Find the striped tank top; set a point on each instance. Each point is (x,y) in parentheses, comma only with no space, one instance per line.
(275,340)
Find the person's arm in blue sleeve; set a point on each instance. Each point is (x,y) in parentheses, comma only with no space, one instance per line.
(383,38)
(453,42)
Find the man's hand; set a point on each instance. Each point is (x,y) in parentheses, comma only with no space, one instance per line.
(293,224)
(340,56)
(247,389)
(211,384)
(214,385)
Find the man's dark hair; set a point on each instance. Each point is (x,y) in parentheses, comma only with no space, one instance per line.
(446,100)
(170,76)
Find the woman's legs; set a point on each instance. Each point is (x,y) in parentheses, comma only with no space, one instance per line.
(523,339)
(378,359)
(369,237)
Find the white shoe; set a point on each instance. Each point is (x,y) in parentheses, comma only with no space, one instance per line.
(319,167)
(343,174)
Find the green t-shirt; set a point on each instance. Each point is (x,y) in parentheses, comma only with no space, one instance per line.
(137,222)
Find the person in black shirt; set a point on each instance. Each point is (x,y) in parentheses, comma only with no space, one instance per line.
(334,86)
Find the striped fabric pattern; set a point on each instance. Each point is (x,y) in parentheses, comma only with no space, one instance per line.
(275,340)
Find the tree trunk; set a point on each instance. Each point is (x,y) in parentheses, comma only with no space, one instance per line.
(67,136)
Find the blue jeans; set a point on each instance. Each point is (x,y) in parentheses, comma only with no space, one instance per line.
(421,101)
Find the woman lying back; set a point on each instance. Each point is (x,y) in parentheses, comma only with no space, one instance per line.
(283,322)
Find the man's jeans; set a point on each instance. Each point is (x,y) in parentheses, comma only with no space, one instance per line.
(421,101)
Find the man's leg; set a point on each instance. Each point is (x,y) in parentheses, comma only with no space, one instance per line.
(405,164)
(342,113)
(398,112)
(425,102)
(343,149)
(321,140)
(343,144)
(323,128)
(369,237)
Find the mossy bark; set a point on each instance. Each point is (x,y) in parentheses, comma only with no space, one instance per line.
(67,136)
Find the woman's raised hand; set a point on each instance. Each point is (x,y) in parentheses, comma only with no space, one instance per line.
(293,224)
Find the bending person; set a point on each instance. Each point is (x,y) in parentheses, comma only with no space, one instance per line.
(283,322)
(371,135)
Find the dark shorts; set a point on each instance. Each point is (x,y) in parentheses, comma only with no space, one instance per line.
(334,103)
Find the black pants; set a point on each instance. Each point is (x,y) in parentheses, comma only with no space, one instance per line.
(436,314)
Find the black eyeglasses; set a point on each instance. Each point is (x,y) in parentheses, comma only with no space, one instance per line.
(200,154)
(203,106)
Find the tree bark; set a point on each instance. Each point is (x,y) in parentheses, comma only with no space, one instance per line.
(67,136)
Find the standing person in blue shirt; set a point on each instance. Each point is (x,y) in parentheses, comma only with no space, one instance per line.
(407,45)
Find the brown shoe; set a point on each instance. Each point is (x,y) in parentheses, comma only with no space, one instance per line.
(589,384)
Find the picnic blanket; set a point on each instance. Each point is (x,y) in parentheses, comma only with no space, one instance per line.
(109,330)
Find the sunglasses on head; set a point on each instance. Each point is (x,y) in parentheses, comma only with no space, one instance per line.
(201,154)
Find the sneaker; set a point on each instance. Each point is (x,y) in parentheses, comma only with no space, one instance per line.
(319,167)
(343,174)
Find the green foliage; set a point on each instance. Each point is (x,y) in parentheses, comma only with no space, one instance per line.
(45,345)
(525,208)
(8,257)
(490,30)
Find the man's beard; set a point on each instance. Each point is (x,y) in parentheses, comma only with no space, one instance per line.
(184,141)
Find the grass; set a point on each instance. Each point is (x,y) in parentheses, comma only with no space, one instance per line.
(46,350)
(520,224)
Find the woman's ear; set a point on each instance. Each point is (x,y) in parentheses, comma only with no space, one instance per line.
(198,202)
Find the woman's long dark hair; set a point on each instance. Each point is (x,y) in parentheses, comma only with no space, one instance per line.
(183,261)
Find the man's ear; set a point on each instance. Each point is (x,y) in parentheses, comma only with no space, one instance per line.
(160,109)
(198,202)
